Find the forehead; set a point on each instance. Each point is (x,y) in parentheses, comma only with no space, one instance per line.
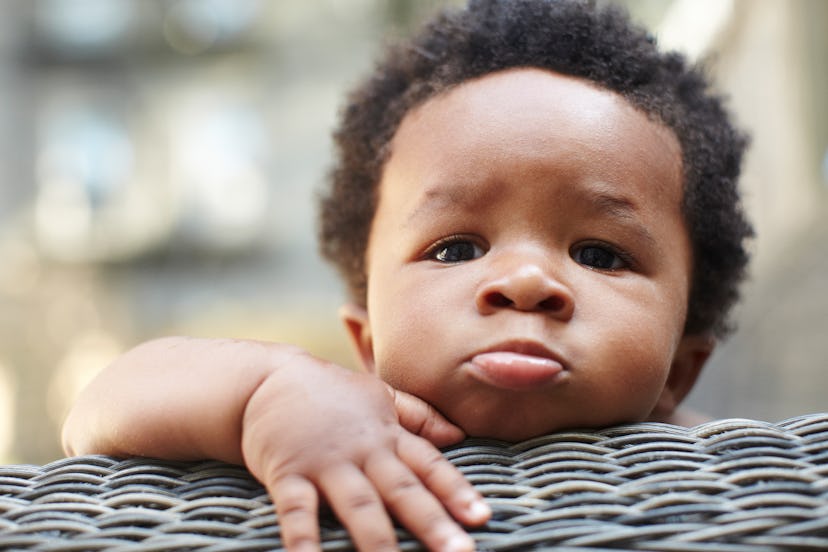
(527,120)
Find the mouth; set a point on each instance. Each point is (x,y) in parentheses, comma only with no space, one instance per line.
(517,366)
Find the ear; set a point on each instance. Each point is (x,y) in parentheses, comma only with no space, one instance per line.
(358,326)
(691,354)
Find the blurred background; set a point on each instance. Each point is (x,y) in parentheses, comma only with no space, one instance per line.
(159,161)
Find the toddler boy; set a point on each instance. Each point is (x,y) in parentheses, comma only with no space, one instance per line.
(537,217)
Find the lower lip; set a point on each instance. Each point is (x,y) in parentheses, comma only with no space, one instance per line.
(514,371)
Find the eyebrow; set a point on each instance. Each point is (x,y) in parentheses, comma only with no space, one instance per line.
(601,199)
(442,196)
(605,202)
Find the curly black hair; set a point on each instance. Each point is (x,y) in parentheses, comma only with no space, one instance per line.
(571,37)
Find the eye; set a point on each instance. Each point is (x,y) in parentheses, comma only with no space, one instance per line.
(455,250)
(600,257)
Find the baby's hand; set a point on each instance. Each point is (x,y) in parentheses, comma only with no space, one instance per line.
(313,429)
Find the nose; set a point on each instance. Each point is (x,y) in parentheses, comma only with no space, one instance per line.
(525,286)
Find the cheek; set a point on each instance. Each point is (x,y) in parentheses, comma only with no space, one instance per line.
(407,331)
(626,390)
(639,346)
(645,357)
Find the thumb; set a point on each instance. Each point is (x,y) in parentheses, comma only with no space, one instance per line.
(420,418)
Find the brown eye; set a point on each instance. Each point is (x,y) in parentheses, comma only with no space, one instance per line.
(599,257)
(457,251)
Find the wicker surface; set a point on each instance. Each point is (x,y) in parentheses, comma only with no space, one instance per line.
(730,485)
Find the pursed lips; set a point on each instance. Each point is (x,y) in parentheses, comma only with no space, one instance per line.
(517,365)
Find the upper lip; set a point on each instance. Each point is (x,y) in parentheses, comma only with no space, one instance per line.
(524,347)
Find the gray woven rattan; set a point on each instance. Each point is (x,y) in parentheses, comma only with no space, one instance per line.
(730,485)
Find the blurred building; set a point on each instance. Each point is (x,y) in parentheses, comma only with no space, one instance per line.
(159,160)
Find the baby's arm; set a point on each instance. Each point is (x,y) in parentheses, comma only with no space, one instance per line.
(304,427)
(177,398)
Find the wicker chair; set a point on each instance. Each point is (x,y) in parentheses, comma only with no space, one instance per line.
(730,485)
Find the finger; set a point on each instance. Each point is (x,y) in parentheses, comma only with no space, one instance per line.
(359,507)
(296,502)
(420,418)
(414,506)
(444,480)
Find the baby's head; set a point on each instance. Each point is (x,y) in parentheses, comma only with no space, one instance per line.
(537,217)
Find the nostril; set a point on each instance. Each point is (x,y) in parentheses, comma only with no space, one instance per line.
(552,304)
(497,299)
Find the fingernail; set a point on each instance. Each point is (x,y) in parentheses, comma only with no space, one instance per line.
(459,543)
(479,510)
(475,507)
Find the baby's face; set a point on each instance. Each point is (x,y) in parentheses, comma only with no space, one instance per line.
(528,265)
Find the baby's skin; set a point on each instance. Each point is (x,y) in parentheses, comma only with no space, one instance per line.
(528,271)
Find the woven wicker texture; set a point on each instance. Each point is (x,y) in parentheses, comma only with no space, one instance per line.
(730,485)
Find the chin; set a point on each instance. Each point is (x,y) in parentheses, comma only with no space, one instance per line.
(522,430)
(512,431)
